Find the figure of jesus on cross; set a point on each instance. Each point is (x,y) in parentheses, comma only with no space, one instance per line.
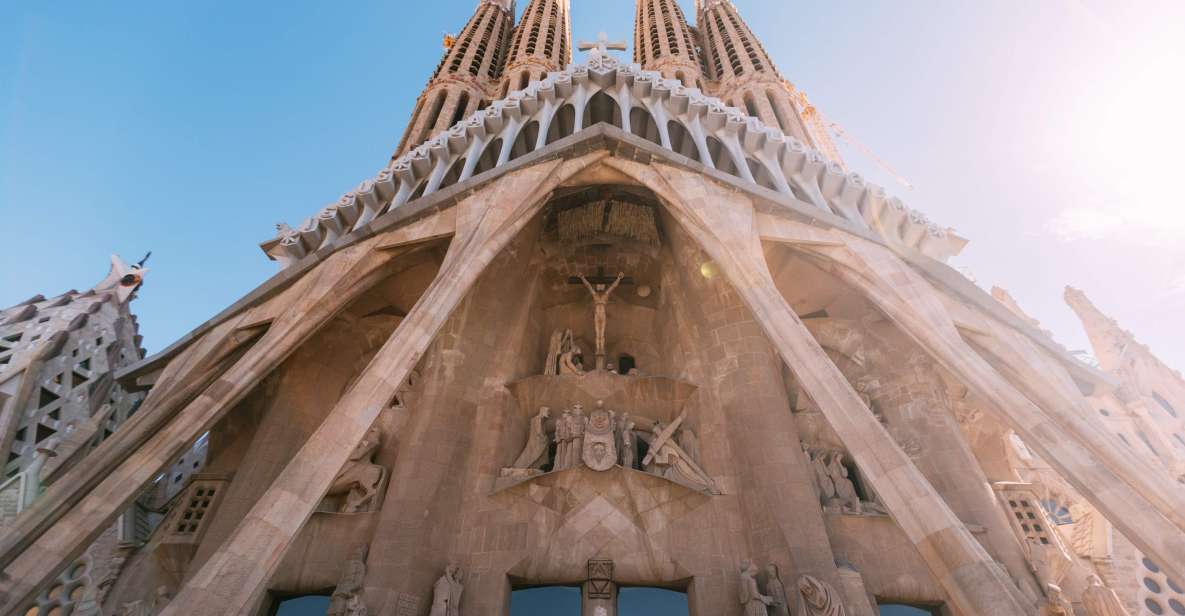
(600,287)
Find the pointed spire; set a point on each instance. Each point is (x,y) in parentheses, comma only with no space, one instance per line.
(1109,341)
(467,74)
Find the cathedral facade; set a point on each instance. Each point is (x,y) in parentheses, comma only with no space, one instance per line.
(601,326)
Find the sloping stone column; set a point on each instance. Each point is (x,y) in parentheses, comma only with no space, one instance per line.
(910,301)
(725,227)
(234,579)
(330,288)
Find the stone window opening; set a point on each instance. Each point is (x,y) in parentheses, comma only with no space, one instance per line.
(300,605)
(1164,404)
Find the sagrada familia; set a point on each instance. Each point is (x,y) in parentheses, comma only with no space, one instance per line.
(603,326)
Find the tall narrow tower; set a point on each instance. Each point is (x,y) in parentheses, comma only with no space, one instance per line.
(739,71)
(467,76)
(663,42)
(542,43)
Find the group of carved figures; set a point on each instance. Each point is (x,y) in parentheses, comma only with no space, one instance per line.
(347,596)
(837,491)
(1097,600)
(360,479)
(814,597)
(603,439)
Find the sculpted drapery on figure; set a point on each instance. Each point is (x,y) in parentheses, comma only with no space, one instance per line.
(818,598)
(534,453)
(1056,603)
(777,591)
(667,459)
(1100,600)
(562,440)
(629,447)
(446,593)
(750,595)
(576,425)
(360,479)
(845,490)
(347,599)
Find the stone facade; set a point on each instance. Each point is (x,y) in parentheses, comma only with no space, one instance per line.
(610,332)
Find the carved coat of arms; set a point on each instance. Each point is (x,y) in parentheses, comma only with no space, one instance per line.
(600,449)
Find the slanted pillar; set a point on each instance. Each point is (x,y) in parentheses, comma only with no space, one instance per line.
(234,579)
(723,223)
(38,559)
(910,301)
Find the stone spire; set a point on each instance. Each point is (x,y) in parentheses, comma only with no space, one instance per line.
(663,42)
(739,71)
(58,356)
(542,43)
(1109,341)
(467,75)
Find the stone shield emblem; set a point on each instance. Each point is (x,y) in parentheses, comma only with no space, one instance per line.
(600,450)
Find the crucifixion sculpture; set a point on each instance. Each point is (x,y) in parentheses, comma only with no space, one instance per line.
(601,287)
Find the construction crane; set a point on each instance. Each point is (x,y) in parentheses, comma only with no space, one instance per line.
(812,115)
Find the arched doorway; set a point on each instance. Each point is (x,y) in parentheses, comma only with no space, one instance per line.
(639,601)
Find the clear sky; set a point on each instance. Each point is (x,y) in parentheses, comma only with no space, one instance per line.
(1047,132)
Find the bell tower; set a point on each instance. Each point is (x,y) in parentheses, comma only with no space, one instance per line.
(542,43)
(739,71)
(663,42)
(467,75)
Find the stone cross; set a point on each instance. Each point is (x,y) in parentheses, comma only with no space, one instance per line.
(601,48)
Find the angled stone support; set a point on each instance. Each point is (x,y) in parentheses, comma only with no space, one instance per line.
(235,577)
(74,514)
(913,304)
(1045,381)
(726,229)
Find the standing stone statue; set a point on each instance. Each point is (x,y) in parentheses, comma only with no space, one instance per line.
(600,297)
(446,593)
(563,436)
(751,597)
(822,475)
(629,443)
(577,425)
(346,599)
(776,590)
(1056,603)
(360,479)
(845,490)
(534,453)
(551,367)
(1100,600)
(818,598)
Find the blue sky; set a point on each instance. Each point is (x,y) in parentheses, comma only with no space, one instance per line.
(1047,132)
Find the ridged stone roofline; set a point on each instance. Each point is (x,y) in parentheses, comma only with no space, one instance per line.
(720,137)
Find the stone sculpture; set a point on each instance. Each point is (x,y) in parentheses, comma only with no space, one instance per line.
(534,453)
(667,459)
(576,425)
(777,591)
(599,447)
(446,593)
(689,442)
(1100,600)
(1055,602)
(600,296)
(571,357)
(818,598)
(755,603)
(629,445)
(360,479)
(551,367)
(346,599)
(562,438)
(823,481)
(845,491)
